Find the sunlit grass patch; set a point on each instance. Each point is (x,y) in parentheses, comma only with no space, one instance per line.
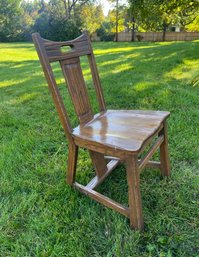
(186,71)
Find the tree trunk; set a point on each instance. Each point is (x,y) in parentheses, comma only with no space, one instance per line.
(42,9)
(164,31)
(69,9)
(116,23)
(74,9)
(133,30)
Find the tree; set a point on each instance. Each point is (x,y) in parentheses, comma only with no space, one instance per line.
(159,15)
(193,26)
(166,12)
(138,12)
(56,22)
(10,27)
(92,17)
(30,11)
(187,12)
(176,11)
(42,25)
(105,31)
(117,19)
(70,8)
(116,16)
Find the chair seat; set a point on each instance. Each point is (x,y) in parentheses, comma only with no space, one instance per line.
(121,129)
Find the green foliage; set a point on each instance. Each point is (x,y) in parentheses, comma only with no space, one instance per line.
(29,14)
(158,14)
(194,26)
(42,25)
(53,23)
(10,28)
(41,215)
(92,17)
(105,32)
(53,19)
(122,15)
(187,12)
(64,29)
(56,29)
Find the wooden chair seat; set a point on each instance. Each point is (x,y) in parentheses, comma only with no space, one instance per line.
(121,129)
(122,135)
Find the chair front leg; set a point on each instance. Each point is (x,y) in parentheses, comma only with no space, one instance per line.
(164,153)
(72,163)
(135,204)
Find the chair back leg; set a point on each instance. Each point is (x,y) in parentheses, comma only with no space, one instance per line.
(99,163)
(72,163)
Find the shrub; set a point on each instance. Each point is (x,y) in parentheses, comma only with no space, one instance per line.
(139,38)
(56,28)
(104,32)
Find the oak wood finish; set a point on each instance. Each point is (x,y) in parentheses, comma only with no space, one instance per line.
(164,152)
(96,181)
(121,130)
(135,205)
(152,164)
(111,136)
(153,149)
(103,199)
(72,163)
(99,163)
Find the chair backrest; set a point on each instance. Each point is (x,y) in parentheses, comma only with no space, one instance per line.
(50,51)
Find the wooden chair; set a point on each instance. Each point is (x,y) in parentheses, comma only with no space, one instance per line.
(113,135)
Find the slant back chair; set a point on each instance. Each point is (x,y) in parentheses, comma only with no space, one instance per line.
(111,136)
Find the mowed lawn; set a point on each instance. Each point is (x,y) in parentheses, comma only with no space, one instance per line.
(40,215)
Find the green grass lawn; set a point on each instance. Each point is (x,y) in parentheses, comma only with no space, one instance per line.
(42,216)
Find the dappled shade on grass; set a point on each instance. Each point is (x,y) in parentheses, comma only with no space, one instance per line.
(40,214)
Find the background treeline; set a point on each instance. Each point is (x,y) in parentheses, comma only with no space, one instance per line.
(65,19)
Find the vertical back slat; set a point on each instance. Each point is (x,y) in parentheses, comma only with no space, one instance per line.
(74,78)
